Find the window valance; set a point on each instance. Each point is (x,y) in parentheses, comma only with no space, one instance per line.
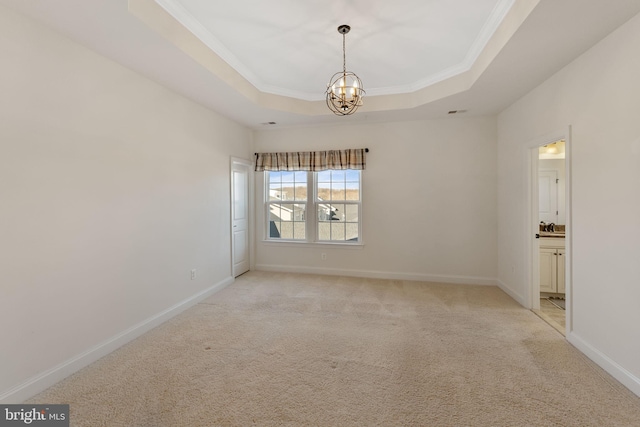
(312,160)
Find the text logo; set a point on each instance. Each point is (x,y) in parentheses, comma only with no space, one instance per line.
(34,415)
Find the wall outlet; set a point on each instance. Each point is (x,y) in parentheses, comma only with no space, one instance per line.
(193,274)
(323,256)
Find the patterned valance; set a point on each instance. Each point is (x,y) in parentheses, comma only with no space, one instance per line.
(312,160)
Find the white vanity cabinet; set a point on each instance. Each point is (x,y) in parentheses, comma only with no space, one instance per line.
(552,262)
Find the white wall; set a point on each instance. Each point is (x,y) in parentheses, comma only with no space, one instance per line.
(429,201)
(112,188)
(597,95)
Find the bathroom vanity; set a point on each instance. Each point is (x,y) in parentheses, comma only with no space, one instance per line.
(552,263)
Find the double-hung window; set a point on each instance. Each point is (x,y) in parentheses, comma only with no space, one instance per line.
(323,206)
(287,204)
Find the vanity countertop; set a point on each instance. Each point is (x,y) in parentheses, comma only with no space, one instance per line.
(555,234)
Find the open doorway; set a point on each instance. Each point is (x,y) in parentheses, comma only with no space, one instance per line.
(550,230)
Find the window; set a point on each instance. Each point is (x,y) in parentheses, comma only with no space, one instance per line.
(287,205)
(314,206)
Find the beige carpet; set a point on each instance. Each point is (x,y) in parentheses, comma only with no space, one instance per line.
(296,350)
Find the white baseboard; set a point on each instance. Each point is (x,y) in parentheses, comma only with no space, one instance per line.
(438,278)
(616,371)
(513,294)
(46,379)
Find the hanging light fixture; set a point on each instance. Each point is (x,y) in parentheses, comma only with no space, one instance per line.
(344,91)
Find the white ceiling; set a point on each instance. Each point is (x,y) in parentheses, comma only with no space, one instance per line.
(291,48)
(256,61)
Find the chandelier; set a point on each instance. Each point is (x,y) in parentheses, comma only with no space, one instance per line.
(344,91)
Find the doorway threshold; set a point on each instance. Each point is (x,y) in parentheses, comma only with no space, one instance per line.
(555,325)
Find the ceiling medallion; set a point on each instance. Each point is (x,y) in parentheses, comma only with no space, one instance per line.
(344,91)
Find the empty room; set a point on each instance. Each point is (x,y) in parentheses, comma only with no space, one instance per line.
(346,213)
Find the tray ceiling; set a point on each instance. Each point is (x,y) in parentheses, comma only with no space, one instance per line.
(291,48)
(257,62)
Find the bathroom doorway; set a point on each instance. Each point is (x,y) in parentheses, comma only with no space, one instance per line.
(550,232)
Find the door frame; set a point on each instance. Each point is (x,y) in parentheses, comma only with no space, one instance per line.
(532,223)
(251,214)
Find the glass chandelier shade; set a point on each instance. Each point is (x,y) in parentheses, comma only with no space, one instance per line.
(344,91)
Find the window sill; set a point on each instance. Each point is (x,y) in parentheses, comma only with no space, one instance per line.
(290,243)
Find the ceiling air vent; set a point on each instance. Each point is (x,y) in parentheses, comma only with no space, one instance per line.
(457,111)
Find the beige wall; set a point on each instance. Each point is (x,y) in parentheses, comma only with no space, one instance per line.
(112,189)
(429,201)
(597,95)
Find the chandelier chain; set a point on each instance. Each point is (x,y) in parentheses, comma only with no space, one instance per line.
(344,54)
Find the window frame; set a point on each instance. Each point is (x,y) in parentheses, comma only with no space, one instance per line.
(312,203)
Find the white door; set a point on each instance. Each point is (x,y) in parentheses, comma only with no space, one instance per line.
(240,217)
(548,191)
